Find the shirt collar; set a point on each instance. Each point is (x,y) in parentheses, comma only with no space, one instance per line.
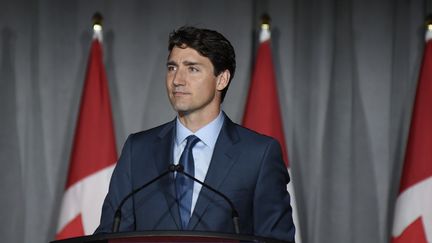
(207,134)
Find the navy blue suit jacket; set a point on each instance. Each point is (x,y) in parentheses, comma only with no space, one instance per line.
(247,167)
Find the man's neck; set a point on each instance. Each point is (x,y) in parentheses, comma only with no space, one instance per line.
(195,121)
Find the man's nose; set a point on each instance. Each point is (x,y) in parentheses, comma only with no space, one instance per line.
(179,77)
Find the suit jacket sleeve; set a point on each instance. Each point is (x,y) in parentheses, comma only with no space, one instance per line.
(120,186)
(272,210)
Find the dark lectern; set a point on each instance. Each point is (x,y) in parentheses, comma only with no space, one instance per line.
(168,236)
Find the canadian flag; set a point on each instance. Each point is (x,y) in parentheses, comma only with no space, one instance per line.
(262,112)
(93,153)
(413,212)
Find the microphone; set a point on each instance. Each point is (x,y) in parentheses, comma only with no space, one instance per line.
(234,214)
(117,215)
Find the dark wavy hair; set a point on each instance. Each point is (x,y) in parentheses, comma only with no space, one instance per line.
(208,43)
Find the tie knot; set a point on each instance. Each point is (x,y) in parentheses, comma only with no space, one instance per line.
(191,141)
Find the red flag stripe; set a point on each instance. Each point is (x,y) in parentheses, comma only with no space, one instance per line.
(73,229)
(262,112)
(94,143)
(418,166)
(414,233)
(93,153)
(412,222)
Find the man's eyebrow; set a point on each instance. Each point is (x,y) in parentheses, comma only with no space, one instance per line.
(171,63)
(186,63)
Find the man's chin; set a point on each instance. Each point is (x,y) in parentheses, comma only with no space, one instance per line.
(182,110)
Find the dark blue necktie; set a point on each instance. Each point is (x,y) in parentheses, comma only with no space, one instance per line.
(184,185)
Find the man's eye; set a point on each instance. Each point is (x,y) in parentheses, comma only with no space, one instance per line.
(193,69)
(171,68)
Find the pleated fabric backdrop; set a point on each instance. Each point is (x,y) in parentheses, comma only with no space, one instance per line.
(346,72)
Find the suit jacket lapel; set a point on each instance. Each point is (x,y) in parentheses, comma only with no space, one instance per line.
(224,156)
(164,157)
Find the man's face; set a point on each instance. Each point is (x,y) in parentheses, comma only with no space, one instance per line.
(191,84)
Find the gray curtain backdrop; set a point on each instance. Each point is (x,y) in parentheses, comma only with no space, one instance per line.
(346,70)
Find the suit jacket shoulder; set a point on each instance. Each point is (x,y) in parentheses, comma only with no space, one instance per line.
(153,133)
(248,168)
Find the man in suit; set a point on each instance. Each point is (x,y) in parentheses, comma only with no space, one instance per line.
(245,166)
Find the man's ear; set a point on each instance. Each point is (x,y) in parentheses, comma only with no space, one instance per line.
(223,80)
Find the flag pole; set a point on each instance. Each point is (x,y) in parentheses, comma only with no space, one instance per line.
(265,28)
(428,28)
(97,20)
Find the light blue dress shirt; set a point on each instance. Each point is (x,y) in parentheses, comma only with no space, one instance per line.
(202,151)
